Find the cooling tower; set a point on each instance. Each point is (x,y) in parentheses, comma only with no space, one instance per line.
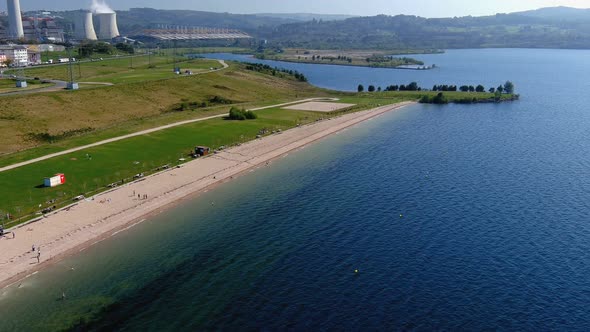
(85,26)
(108,26)
(14,20)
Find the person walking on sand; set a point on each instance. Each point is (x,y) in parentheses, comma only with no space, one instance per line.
(38,256)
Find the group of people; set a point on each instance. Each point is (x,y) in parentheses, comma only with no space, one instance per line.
(140,196)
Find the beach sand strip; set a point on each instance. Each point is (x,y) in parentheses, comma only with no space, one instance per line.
(73,229)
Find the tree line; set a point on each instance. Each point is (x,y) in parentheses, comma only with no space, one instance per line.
(507,88)
(261,68)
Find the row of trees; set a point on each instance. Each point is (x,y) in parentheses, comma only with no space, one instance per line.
(507,87)
(410,87)
(274,71)
(87,49)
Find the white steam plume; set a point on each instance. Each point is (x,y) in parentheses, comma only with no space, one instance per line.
(100,7)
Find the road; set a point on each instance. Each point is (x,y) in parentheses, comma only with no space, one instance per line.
(148,131)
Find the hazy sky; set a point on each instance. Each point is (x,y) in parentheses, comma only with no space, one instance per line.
(427,8)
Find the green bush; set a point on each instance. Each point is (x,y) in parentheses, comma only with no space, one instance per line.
(240,114)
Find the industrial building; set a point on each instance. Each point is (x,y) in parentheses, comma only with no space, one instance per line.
(107,26)
(42,29)
(29,28)
(193,33)
(84,26)
(15,23)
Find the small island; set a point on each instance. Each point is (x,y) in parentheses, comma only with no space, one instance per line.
(396,59)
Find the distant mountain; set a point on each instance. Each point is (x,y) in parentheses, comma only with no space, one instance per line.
(307,16)
(558,13)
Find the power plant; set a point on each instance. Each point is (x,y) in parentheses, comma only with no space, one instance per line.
(85,26)
(15,23)
(108,25)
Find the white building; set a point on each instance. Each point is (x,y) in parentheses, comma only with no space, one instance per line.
(17,55)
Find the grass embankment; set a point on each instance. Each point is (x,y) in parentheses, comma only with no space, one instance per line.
(122,70)
(9,85)
(94,114)
(381,59)
(91,170)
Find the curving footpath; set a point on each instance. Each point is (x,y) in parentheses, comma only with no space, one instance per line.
(147,131)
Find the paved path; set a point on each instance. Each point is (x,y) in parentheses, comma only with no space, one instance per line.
(147,131)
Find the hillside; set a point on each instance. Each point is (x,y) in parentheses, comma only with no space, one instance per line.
(557,27)
(402,31)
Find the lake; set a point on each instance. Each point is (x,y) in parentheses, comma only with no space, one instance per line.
(457,217)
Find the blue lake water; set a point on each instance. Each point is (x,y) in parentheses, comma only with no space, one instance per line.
(494,230)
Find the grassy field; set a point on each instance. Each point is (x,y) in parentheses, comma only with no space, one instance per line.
(91,170)
(122,70)
(9,85)
(47,119)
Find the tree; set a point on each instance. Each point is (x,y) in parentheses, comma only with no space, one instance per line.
(500,89)
(360,88)
(492,90)
(471,88)
(509,87)
(464,88)
(480,88)
(371,88)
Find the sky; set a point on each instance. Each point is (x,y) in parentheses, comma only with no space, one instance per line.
(425,8)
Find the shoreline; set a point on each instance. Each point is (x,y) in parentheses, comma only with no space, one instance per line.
(91,221)
(427,67)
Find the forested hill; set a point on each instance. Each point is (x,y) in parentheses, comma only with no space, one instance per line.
(402,31)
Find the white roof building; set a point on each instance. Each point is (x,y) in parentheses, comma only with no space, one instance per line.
(17,54)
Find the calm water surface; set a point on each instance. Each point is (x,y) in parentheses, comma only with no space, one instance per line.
(494,230)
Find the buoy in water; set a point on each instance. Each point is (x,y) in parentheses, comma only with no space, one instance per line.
(401,215)
(356,271)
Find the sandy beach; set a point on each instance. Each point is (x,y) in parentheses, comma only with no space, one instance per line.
(92,220)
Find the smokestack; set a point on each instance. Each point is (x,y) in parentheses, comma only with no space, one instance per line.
(108,26)
(14,19)
(85,26)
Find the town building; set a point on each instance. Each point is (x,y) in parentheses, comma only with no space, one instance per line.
(14,55)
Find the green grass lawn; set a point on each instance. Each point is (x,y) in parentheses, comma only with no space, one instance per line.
(133,106)
(122,70)
(9,85)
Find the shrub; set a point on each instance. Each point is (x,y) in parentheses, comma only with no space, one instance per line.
(240,114)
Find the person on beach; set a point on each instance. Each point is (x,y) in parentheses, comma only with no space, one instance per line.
(38,256)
